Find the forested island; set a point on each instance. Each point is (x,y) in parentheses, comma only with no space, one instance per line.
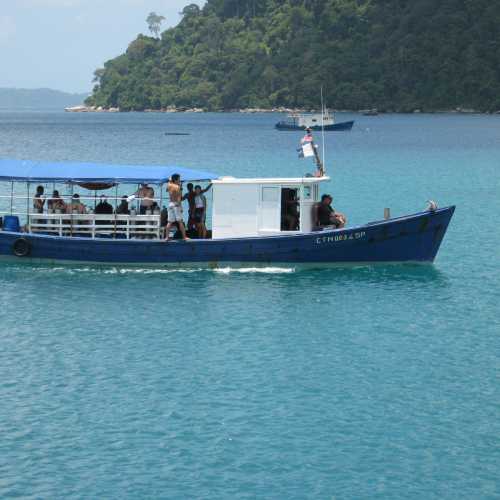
(394,55)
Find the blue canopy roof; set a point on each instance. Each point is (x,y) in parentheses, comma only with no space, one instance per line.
(39,171)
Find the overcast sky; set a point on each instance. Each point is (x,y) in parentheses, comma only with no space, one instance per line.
(59,43)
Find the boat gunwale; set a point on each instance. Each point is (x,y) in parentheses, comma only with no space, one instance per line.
(318,233)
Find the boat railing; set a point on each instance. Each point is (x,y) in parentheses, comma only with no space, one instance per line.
(96,225)
(59,222)
(93,199)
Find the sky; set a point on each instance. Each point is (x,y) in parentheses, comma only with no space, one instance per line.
(59,44)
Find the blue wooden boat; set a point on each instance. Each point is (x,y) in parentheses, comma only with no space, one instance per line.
(250,232)
(313,121)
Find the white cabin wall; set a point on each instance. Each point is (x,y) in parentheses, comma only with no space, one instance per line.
(309,199)
(270,209)
(306,216)
(235,210)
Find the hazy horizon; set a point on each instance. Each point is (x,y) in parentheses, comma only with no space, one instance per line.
(58,44)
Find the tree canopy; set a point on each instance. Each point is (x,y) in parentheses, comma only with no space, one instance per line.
(154,23)
(395,55)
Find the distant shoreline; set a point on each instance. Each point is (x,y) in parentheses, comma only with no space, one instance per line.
(368,112)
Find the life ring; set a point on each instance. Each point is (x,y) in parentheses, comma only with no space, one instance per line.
(21,247)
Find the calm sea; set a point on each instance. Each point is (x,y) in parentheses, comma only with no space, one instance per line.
(363,382)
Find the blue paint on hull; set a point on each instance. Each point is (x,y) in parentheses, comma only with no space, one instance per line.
(339,127)
(413,238)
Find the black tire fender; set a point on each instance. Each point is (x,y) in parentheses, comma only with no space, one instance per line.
(21,247)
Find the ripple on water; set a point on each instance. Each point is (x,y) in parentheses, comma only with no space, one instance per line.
(349,382)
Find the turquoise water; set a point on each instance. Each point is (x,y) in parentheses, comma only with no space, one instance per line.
(362,382)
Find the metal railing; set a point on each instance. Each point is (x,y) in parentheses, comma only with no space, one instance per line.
(96,225)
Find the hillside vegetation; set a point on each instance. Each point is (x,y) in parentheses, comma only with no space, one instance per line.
(395,55)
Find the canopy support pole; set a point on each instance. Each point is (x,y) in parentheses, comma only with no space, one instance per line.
(116,207)
(161,210)
(71,210)
(11,196)
(28,222)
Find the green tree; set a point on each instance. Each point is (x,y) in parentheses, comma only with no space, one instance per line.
(154,23)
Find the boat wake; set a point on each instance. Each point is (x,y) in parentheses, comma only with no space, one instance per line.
(264,270)
(132,271)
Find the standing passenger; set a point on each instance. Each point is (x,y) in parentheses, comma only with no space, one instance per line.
(38,200)
(189,196)
(175,206)
(200,211)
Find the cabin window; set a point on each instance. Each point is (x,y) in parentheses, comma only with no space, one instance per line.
(307,192)
(290,209)
(270,194)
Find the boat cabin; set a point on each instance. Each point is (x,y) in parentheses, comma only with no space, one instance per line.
(263,207)
(312,120)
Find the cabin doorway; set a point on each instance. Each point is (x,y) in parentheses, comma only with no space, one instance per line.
(290,209)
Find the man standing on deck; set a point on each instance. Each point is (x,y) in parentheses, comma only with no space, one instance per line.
(175,206)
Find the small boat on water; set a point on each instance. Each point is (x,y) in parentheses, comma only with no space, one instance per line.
(259,221)
(314,121)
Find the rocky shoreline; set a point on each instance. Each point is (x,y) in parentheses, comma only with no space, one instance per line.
(173,109)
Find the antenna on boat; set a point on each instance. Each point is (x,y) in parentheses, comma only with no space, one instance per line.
(323,130)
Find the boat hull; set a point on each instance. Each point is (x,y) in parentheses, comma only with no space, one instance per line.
(413,238)
(339,127)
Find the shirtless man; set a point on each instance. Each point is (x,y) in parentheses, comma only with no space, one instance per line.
(175,206)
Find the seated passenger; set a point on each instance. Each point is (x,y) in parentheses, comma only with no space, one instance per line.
(326,215)
(122,208)
(76,206)
(103,207)
(56,202)
(146,194)
(38,200)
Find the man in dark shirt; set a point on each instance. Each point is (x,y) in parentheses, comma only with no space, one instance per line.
(103,207)
(326,215)
(122,208)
